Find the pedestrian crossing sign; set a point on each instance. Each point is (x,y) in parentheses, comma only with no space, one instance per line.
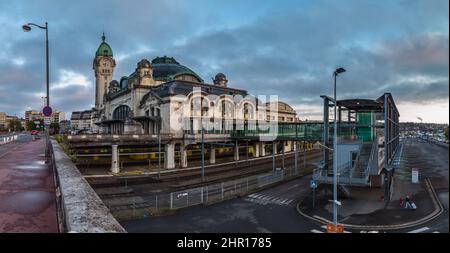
(313,184)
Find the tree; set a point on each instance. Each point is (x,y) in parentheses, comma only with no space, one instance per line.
(446,132)
(54,128)
(30,125)
(15,125)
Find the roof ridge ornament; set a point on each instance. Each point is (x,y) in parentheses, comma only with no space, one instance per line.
(103,37)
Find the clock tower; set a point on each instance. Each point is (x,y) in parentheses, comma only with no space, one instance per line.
(103,66)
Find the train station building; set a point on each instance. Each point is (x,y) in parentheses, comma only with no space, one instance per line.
(164,98)
(165,104)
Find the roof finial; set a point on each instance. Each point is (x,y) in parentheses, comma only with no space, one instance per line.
(103,37)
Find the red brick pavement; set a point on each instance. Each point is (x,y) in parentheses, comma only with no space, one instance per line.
(27,194)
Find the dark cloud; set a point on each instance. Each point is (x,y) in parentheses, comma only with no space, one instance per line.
(288,48)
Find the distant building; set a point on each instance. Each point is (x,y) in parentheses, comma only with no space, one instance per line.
(32,115)
(81,120)
(9,118)
(64,126)
(5,119)
(282,112)
(58,116)
(2,120)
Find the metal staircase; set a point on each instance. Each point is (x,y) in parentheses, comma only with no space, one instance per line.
(360,168)
(345,190)
(348,175)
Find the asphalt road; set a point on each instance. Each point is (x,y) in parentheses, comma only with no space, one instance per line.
(432,160)
(271,210)
(274,209)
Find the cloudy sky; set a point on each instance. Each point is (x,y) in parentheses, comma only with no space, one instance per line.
(287,48)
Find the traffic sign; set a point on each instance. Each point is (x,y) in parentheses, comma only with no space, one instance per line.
(313,184)
(47,120)
(47,111)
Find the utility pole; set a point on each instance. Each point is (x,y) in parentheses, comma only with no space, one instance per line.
(336,72)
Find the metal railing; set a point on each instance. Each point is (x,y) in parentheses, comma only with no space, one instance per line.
(371,159)
(139,206)
(7,139)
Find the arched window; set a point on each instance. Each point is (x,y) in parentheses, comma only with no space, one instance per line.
(121,113)
(249,111)
(226,109)
(199,106)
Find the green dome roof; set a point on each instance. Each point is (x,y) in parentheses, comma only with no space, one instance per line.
(104,49)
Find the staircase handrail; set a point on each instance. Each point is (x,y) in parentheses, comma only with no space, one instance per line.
(372,154)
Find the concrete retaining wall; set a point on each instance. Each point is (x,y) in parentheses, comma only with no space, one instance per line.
(80,209)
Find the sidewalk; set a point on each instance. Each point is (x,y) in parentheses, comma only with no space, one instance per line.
(27,197)
(365,206)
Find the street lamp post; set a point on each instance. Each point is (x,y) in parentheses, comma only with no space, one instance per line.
(336,72)
(27,28)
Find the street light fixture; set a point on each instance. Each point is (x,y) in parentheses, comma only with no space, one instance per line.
(335,201)
(27,28)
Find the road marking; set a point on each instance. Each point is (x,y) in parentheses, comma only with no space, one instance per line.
(292,187)
(436,232)
(267,198)
(419,230)
(316,231)
(284,201)
(260,197)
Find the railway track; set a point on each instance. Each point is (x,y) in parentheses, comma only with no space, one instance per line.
(178,181)
(186,178)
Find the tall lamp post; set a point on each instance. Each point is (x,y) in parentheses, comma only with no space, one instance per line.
(335,74)
(27,28)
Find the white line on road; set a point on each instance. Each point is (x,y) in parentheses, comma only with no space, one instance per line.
(259,196)
(277,199)
(284,201)
(316,231)
(419,230)
(436,232)
(292,187)
(268,198)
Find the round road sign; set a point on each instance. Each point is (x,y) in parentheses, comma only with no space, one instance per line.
(47,111)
